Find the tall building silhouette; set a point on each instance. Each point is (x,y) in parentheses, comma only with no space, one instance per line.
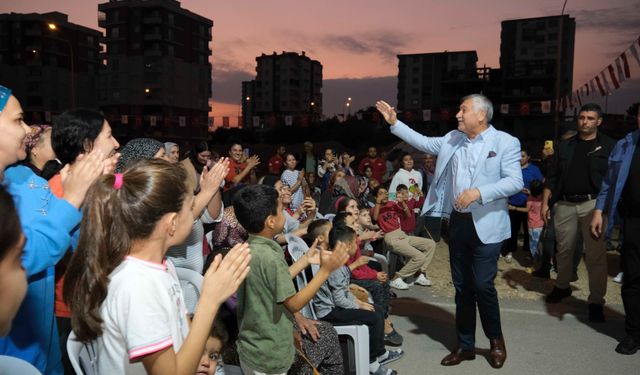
(287,91)
(156,79)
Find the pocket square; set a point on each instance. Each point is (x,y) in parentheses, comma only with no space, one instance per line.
(491,154)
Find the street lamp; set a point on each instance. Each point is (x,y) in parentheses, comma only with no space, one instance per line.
(54,28)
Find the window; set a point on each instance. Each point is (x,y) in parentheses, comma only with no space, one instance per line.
(90,40)
(115,32)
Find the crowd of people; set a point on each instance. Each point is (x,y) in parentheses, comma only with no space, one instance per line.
(93,235)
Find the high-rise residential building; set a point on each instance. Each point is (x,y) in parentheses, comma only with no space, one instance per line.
(287,91)
(50,63)
(156,79)
(437,81)
(528,57)
(532,53)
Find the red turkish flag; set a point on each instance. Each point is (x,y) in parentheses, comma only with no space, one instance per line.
(525,109)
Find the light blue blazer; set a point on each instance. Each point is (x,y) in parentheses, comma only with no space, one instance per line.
(497,177)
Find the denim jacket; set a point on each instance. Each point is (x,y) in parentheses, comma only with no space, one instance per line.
(617,173)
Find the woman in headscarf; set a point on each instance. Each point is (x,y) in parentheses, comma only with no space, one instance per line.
(172,150)
(48,224)
(138,149)
(40,151)
(197,158)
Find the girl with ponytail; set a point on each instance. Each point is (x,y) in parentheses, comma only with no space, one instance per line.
(123,293)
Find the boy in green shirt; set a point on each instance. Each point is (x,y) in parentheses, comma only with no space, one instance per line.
(267,299)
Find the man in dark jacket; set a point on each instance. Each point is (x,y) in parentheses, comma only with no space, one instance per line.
(621,191)
(571,189)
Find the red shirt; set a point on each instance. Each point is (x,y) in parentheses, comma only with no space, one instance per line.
(408,223)
(235,169)
(389,216)
(275,164)
(363,272)
(378,167)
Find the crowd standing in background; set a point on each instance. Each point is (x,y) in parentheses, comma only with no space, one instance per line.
(95,235)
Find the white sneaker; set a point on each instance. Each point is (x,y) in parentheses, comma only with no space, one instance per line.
(423,280)
(618,278)
(398,283)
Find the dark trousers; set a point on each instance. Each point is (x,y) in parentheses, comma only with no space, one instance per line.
(630,262)
(518,219)
(372,319)
(64,329)
(380,293)
(474,266)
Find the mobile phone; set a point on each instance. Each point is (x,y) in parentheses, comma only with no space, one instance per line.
(247,151)
(548,144)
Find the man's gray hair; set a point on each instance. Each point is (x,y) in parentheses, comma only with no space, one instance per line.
(481,103)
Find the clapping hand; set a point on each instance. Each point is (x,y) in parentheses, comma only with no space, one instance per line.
(212,179)
(86,170)
(332,260)
(253,161)
(225,275)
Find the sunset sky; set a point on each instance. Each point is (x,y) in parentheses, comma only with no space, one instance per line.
(357,40)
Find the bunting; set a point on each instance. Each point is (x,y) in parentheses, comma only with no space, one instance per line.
(612,76)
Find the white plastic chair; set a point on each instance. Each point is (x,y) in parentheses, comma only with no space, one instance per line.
(83,357)
(358,354)
(191,284)
(12,365)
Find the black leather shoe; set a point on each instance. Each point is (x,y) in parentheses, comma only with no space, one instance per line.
(498,353)
(458,355)
(596,313)
(557,295)
(628,345)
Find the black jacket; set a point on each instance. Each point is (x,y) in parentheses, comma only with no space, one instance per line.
(597,159)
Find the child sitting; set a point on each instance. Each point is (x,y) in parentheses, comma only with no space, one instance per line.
(418,250)
(268,299)
(408,222)
(211,362)
(375,282)
(336,304)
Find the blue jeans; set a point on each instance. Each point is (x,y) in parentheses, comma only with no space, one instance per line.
(474,266)
(534,239)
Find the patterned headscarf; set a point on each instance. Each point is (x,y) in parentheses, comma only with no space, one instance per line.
(5,93)
(34,136)
(137,149)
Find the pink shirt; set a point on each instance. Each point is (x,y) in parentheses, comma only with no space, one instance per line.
(534,218)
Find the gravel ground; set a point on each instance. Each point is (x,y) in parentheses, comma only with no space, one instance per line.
(515,282)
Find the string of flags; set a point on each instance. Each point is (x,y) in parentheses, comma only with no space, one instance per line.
(607,80)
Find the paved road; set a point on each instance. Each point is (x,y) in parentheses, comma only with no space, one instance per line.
(540,338)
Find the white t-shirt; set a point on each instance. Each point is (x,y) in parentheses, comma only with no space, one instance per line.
(144,312)
(407,178)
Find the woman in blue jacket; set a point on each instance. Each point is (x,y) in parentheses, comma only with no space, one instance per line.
(47,223)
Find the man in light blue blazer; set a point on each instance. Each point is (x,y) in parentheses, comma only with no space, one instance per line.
(478,168)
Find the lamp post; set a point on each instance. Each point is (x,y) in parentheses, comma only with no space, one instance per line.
(53,27)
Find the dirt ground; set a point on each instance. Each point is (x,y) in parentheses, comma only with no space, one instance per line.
(515,282)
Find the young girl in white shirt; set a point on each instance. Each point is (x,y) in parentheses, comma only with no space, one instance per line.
(124,295)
